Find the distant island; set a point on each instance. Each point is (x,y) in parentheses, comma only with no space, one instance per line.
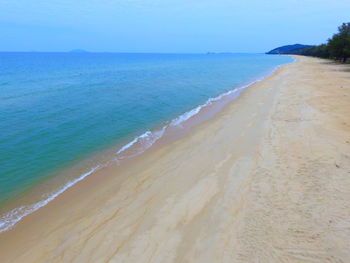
(289,49)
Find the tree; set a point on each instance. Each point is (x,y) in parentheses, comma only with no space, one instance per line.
(339,44)
(338,47)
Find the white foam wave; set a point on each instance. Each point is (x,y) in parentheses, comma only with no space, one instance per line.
(187,115)
(11,218)
(146,140)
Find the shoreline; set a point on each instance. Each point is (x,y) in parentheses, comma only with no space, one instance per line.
(265,180)
(14,210)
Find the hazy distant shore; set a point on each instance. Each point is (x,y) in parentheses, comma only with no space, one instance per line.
(266,179)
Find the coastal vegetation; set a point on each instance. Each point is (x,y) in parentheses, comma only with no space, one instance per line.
(337,47)
(289,49)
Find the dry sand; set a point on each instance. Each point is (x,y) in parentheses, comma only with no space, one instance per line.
(266,180)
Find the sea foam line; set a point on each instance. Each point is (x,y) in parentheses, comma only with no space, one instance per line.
(14,216)
(147,139)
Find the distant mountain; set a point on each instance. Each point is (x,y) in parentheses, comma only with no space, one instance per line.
(78,51)
(289,49)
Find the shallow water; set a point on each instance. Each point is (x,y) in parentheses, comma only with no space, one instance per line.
(59,108)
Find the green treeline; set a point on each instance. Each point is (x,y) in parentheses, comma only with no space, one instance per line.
(337,47)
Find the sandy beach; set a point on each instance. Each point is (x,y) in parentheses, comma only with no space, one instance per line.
(266,180)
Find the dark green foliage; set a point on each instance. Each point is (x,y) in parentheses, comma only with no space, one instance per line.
(321,51)
(337,47)
(339,44)
(290,49)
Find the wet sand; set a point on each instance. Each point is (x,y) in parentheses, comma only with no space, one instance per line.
(266,180)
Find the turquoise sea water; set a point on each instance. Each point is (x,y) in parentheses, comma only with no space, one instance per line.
(58,108)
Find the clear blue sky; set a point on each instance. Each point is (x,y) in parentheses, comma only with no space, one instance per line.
(167,25)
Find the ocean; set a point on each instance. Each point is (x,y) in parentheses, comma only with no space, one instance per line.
(59,109)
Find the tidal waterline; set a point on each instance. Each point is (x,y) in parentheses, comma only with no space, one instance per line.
(59,108)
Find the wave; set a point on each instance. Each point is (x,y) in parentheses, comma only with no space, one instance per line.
(146,140)
(11,218)
(142,143)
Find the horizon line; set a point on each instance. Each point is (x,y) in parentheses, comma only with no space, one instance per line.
(129,52)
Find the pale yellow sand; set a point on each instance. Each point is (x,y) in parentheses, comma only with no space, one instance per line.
(267,180)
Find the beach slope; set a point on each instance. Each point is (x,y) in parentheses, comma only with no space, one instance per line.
(266,180)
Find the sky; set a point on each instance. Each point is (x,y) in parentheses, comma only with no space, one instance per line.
(174,26)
